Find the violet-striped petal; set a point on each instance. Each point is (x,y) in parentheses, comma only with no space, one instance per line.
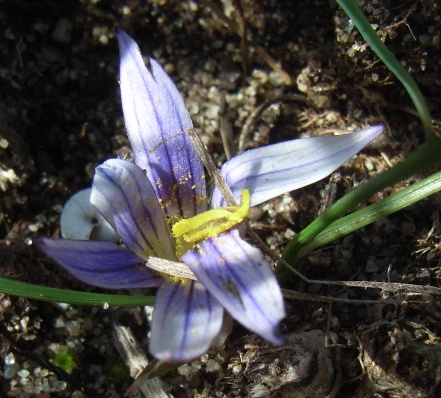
(239,276)
(275,169)
(156,120)
(125,198)
(100,263)
(186,320)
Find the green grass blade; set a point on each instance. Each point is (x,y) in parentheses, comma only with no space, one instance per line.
(426,155)
(371,37)
(372,213)
(43,293)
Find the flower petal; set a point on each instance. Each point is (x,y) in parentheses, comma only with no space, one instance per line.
(81,221)
(156,120)
(100,263)
(186,320)
(275,169)
(238,275)
(125,198)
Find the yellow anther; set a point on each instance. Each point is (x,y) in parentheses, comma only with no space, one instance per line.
(212,222)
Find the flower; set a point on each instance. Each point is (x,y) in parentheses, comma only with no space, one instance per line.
(146,200)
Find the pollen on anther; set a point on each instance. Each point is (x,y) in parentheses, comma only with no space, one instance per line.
(212,222)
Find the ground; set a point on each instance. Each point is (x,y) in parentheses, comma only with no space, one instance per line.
(60,116)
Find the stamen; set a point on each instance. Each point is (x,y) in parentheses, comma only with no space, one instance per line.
(212,222)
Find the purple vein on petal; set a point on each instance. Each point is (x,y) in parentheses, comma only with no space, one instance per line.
(186,320)
(156,121)
(123,195)
(100,263)
(275,169)
(236,284)
(238,275)
(180,149)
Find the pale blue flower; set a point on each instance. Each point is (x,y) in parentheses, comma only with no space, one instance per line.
(143,199)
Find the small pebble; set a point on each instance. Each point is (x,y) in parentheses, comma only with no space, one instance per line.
(10,359)
(60,322)
(74,328)
(371,265)
(23,373)
(9,371)
(63,31)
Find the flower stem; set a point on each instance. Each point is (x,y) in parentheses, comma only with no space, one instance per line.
(371,37)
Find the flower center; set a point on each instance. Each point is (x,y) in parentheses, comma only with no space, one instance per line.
(212,222)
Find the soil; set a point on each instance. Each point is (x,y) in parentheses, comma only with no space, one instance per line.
(60,117)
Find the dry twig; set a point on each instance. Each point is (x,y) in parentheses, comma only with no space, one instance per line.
(234,27)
